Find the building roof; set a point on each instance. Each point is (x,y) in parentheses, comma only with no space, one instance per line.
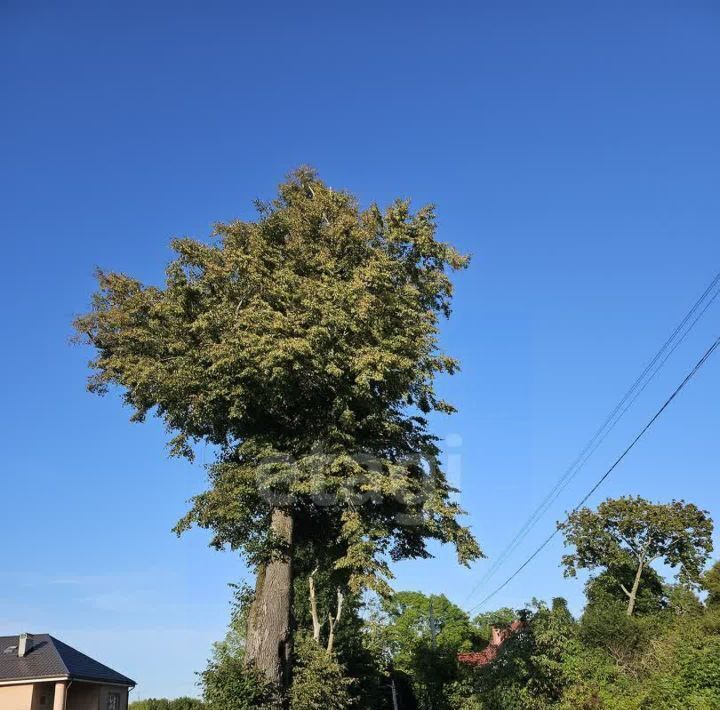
(50,658)
(500,634)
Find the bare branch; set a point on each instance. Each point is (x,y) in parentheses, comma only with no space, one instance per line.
(341,599)
(313,608)
(334,621)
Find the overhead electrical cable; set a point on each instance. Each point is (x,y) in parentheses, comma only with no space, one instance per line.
(638,387)
(708,353)
(563,484)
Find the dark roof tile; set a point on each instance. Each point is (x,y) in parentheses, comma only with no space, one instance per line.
(50,658)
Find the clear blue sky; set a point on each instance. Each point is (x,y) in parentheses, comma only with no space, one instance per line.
(573,148)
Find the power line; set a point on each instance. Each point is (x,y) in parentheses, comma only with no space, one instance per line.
(608,425)
(565,482)
(601,480)
(677,337)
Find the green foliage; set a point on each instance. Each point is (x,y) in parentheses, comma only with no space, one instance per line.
(666,657)
(711,583)
(634,532)
(606,625)
(164,704)
(529,671)
(608,586)
(680,669)
(319,682)
(422,636)
(485,621)
(304,347)
(682,600)
(227,683)
(623,529)
(354,674)
(355,649)
(666,660)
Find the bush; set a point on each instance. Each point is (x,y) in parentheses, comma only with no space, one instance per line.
(319,682)
(229,685)
(606,625)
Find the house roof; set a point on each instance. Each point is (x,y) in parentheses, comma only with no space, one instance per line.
(499,636)
(50,658)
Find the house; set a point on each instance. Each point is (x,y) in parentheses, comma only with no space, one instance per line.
(499,635)
(38,672)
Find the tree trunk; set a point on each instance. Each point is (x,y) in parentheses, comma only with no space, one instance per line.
(634,590)
(269,636)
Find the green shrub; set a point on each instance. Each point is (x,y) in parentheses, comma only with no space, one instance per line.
(319,681)
(229,685)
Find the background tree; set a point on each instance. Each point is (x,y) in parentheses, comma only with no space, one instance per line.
(682,600)
(711,583)
(303,347)
(423,635)
(499,617)
(635,531)
(529,671)
(608,587)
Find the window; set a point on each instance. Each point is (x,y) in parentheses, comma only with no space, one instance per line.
(113,702)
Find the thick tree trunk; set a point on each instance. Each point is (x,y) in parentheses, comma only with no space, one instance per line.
(268,645)
(633,592)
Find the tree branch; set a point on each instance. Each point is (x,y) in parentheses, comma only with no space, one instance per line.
(334,622)
(313,608)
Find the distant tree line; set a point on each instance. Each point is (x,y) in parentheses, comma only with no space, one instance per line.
(164,704)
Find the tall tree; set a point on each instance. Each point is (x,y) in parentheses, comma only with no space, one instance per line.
(634,530)
(303,347)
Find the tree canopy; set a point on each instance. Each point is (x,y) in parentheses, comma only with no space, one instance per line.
(636,531)
(304,346)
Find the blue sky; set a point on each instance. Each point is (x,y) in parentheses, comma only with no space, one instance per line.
(572,148)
